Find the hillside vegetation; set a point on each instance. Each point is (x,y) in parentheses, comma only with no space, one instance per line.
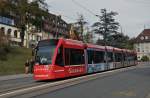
(14,63)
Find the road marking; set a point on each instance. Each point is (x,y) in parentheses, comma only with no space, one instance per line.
(88,77)
(148,96)
(128,93)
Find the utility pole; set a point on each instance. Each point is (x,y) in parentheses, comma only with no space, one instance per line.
(56,35)
(104,35)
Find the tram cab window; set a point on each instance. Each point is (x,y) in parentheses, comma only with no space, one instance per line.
(45,54)
(59,58)
(45,51)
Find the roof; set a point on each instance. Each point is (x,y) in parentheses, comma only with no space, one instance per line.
(143,37)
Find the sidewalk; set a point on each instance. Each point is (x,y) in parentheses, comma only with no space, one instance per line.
(9,77)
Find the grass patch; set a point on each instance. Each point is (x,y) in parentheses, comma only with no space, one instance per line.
(15,61)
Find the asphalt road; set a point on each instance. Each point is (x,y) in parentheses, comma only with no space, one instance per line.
(16,83)
(133,83)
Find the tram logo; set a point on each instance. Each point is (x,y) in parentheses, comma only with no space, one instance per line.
(75,70)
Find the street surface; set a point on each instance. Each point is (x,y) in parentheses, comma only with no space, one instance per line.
(132,82)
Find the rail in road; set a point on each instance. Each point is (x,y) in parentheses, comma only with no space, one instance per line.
(32,88)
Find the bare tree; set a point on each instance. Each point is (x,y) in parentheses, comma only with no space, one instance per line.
(80,26)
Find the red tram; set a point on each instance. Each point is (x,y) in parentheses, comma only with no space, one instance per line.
(60,58)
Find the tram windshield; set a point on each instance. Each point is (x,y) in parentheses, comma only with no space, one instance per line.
(45,51)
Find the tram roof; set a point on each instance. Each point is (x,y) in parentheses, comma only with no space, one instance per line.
(95,46)
(72,43)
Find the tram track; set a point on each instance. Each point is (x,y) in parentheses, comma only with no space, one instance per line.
(13,83)
(27,85)
(34,90)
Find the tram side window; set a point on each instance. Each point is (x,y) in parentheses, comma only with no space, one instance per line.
(95,56)
(124,57)
(110,56)
(90,56)
(59,58)
(128,57)
(98,57)
(74,56)
(118,57)
(135,57)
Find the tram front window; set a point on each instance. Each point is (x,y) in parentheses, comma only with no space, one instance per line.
(45,54)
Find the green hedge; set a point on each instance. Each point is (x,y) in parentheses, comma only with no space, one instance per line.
(145,58)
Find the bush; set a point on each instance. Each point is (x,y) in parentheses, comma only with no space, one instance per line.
(3,54)
(145,58)
(4,47)
(15,61)
(4,50)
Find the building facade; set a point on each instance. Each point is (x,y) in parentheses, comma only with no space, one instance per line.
(36,28)
(56,27)
(51,27)
(142,44)
(8,28)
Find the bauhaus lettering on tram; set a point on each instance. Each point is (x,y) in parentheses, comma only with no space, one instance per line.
(60,58)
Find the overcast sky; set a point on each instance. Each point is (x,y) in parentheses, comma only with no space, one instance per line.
(133,14)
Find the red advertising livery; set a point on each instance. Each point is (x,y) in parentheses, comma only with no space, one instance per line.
(60,58)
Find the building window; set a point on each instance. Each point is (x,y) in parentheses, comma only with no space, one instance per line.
(146,37)
(2,30)
(142,37)
(6,20)
(138,50)
(9,32)
(15,34)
